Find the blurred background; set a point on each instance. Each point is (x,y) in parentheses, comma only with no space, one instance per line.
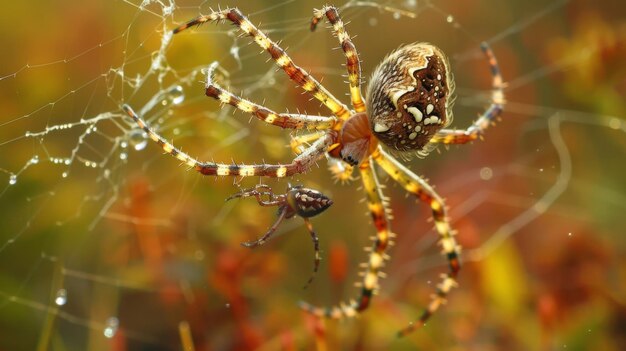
(107,244)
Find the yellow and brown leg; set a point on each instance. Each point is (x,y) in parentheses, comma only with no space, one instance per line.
(298,141)
(353,64)
(425,193)
(300,164)
(316,247)
(283,120)
(478,128)
(377,256)
(295,73)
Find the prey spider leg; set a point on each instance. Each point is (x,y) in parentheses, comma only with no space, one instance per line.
(299,165)
(295,73)
(353,63)
(283,120)
(297,201)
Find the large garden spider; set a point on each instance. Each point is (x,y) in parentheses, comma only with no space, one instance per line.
(407,110)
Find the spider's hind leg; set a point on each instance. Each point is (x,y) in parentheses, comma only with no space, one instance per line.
(488,117)
(316,247)
(425,193)
(377,256)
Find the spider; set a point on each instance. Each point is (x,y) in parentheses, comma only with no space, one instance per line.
(298,200)
(406,111)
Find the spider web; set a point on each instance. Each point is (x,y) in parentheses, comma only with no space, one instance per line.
(105,243)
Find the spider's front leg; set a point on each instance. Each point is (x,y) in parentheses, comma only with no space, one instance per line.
(297,201)
(295,73)
(353,63)
(283,120)
(478,128)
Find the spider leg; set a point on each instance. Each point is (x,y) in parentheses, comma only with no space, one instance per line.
(295,73)
(316,247)
(258,194)
(297,141)
(425,193)
(377,256)
(281,215)
(299,165)
(477,129)
(353,64)
(283,120)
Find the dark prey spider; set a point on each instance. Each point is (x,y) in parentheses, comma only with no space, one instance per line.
(298,200)
(407,112)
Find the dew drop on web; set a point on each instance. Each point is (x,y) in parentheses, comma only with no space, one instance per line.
(111,327)
(61,297)
(138,139)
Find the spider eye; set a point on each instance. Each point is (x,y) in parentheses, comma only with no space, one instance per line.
(410,97)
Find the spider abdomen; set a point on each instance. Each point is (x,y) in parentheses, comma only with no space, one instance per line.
(307,202)
(409,97)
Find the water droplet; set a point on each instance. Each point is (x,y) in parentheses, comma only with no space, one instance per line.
(450,19)
(124,144)
(64,174)
(227,305)
(486,173)
(615,123)
(123,156)
(540,169)
(111,327)
(34,160)
(176,95)
(569,234)
(61,297)
(138,139)
(411,3)
(12,179)
(396,15)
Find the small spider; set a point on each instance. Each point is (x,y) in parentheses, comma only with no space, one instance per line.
(407,112)
(298,200)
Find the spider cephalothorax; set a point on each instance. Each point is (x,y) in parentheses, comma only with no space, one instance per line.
(408,108)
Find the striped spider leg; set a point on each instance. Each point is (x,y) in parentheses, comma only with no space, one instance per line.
(418,187)
(295,73)
(353,64)
(377,257)
(300,164)
(283,120)
(297,201)
(478,128)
